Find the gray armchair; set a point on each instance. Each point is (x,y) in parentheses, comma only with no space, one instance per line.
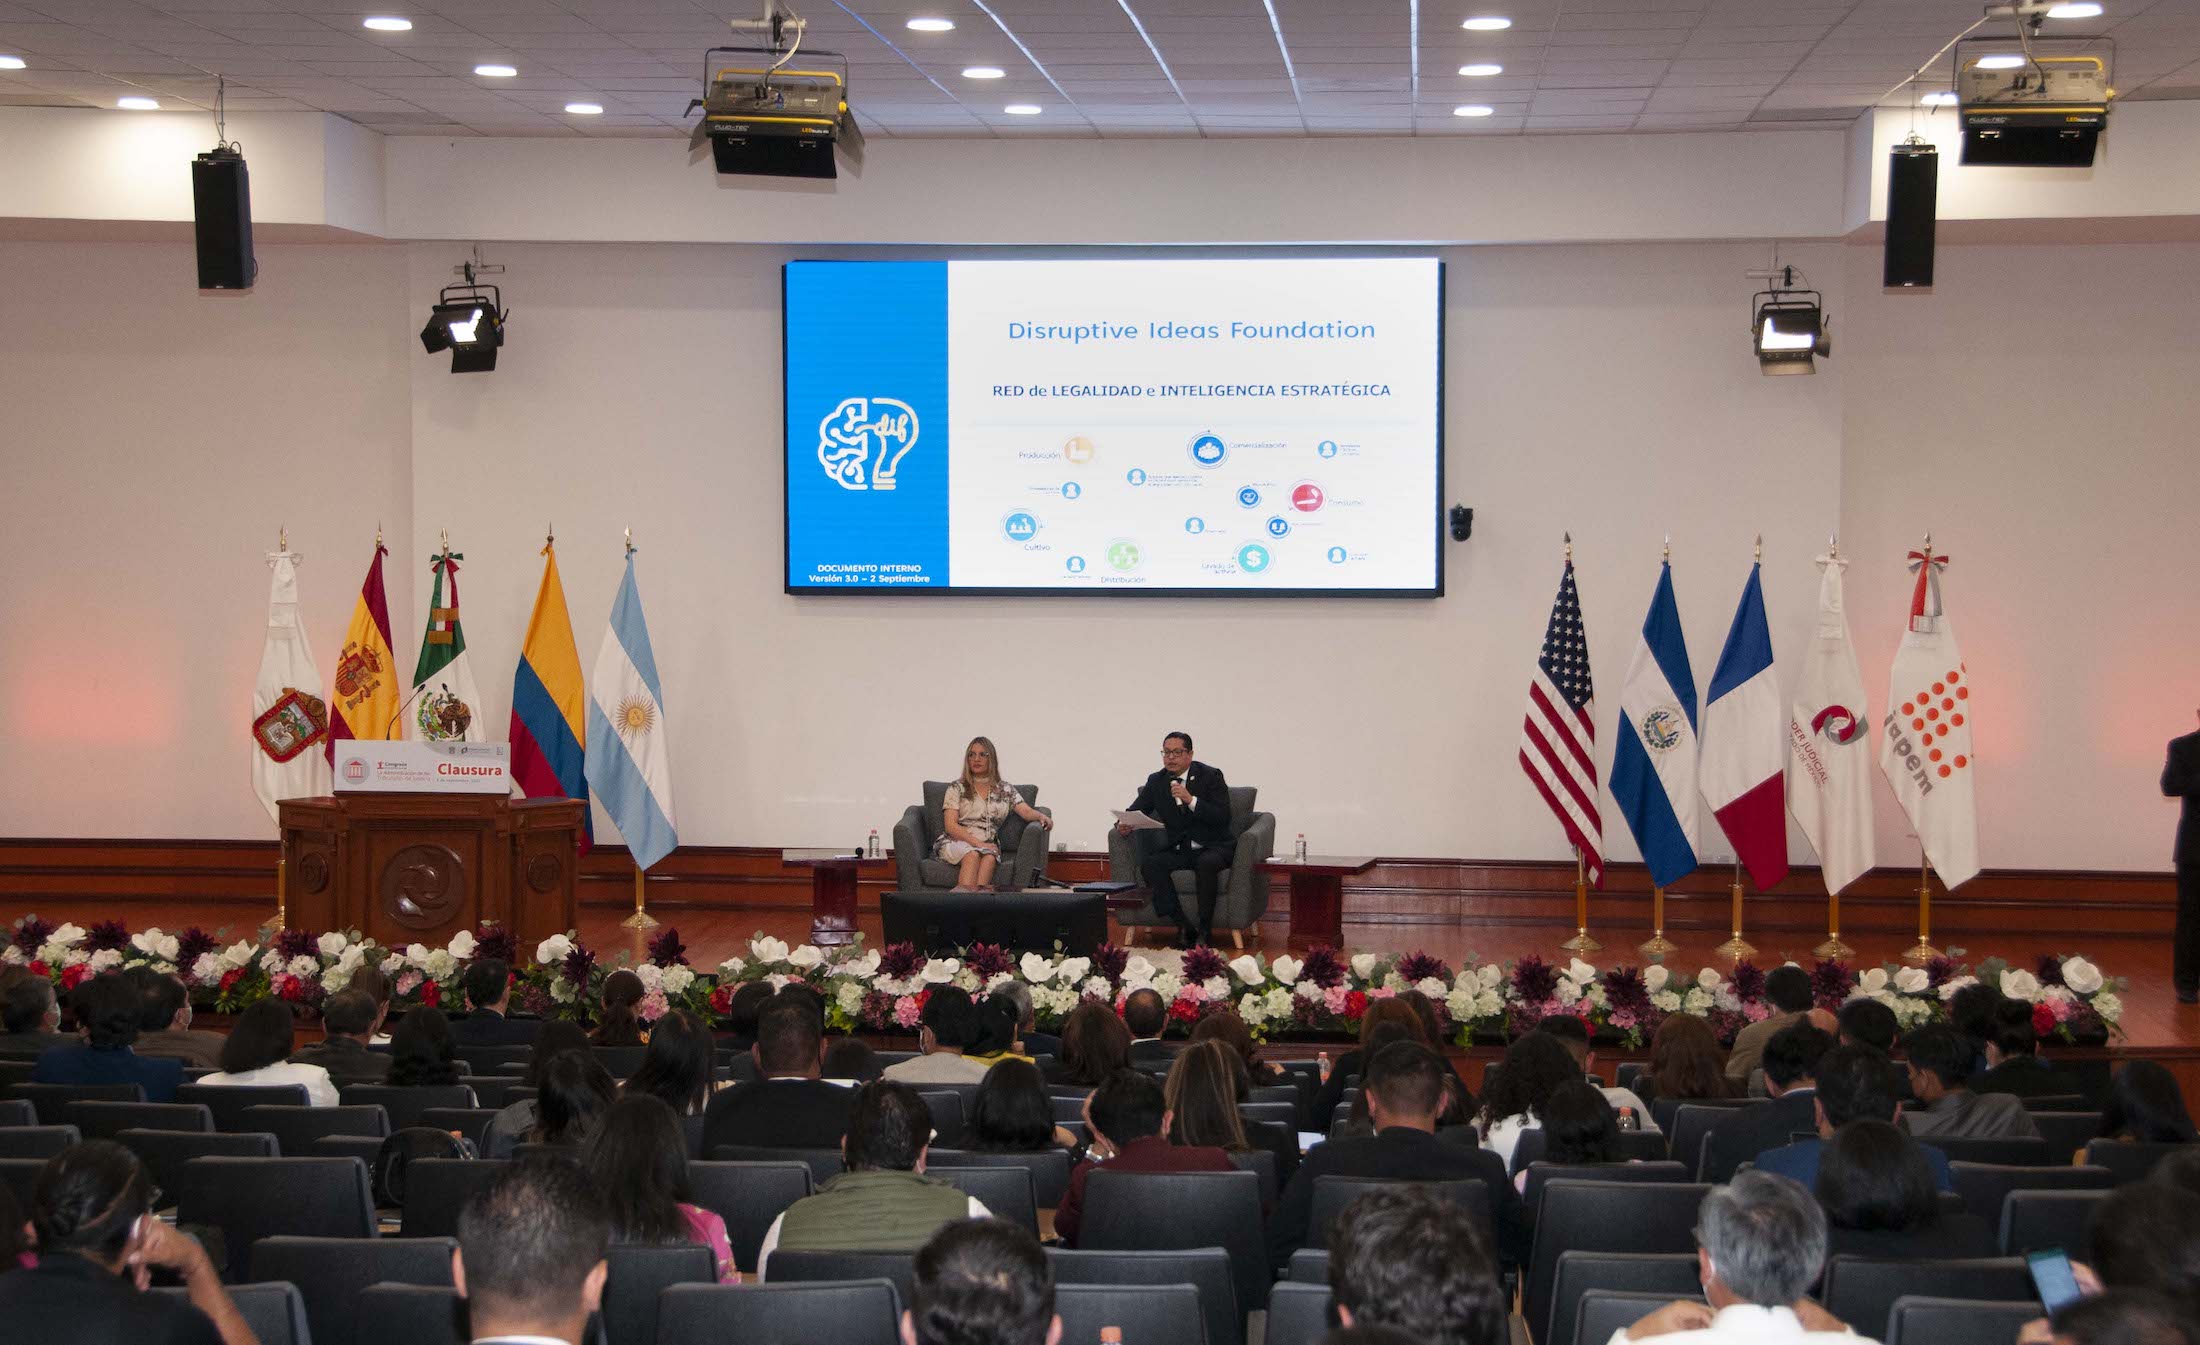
(1243,895)
(1023,845)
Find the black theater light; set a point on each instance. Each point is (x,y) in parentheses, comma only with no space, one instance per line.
(468,321)
(1788,329)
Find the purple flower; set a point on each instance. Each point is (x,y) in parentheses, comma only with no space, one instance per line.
(666,950)
(106,934)
(1534,981)
(1322,967)
(30,933)
(1727,1024)
(1417,967)
(578,965)
(899,961)
(298,943)
(1943,969)
(1625,992)
(1111,960)
(1830,982)
(988,960)
(536,1001)
(2049,969)
(1201,964)
(878,1011)
(193,944)
(495,943)
(1749,982)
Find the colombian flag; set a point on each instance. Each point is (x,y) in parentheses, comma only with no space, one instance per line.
(549,730)
(366,671)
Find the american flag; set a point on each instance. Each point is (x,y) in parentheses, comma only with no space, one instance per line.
(1558,738)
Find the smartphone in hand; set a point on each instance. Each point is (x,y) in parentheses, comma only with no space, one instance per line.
(2052,1278)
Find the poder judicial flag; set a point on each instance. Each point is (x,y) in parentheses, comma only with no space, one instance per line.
(446,705)
(366,671)
(1829,780)
(1654,757)
(1925,739)
(627,763)
(289,718)
(549,724)
(1744,743)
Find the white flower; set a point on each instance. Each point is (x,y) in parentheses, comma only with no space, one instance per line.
(805,957)
(1872,981)
(550,950)
(1490,975)
(1138,971)
(461,945)
(336,978)
(1697,1001)
(1035,968)
(1393,982)
(1097,985)
(677,979)
(1725,998)
(1460,1005)
(305,966)
(156,945)
(968,980)
(353,956)
(1073,970)
(730,968)
(2057,994)
(850,998)
(1166,983)
(208,969)
(764,948)
(417,953)
(1432,987)
(1568,992)
(331,944)
(999,979)
(237,955)
(1279,1003)
(1655,976)
(562,990)
(778,981)
(651,976)
(271,962)
(68,936)
(1579,971)
(1912,980)
(939,970)
(441,966)
(864,967)
(1285,969)
(2079,974)
(1363,964)
(1708,979)
(12,955)
(1667,1000)
(1307,990)
(2019,984)
(106,959)
(1949,987)
(1217,987)
(1254,1010)
(1488,1003)
(1246,968)
(2108,1005)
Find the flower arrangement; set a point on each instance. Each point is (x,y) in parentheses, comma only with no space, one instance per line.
(1325,993)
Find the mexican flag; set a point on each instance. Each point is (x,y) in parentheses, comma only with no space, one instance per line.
(447,705)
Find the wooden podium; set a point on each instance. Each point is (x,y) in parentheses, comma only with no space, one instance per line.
(418,868)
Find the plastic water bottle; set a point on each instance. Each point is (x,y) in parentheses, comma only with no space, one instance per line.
(1298,852)
(872,848)
(1321,1064)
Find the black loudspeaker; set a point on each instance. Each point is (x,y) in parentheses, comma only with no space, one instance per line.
(221,207)
(1913,177)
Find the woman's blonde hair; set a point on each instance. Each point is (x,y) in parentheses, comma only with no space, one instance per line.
(970,786)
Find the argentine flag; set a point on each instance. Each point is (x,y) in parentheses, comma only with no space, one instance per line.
(628,768)
(1654,755)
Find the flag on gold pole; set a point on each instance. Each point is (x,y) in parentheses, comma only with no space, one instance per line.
(289,718)
(1925,746)
(366,671)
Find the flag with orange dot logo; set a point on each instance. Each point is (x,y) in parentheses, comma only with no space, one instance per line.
(1925,739)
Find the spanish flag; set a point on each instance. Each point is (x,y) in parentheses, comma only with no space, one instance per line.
(366,671)
(549,727)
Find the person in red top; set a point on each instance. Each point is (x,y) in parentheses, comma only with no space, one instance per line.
(1129,1121)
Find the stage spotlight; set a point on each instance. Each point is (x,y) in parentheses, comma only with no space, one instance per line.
(1789,330)
(468,321)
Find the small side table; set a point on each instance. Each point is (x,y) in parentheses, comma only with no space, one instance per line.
(833,876)
(1317,894)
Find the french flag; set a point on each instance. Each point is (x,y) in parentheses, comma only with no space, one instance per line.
(1654,757)
(1745,747)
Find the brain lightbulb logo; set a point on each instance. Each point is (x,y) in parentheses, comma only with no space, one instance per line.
(862,442)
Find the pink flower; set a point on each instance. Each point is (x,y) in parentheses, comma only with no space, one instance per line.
(1382,992)
(1756,1011)
(1333,998)
(652,1007)
(408,981)
(906,1010)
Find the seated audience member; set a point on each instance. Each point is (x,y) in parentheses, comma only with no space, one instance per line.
(2146,1236)
(377,988)
(2013,1064)
(1095,1044)
(1684,1063)
(1535,1065)
(852,1059)
(1971,1012)
(1939,1063)
(947,1024)
(1404,1085)
(677,1067)
(1368,1335)
(1573,1034)
(530,1261)
(1011,1113)
(1357,1125)
(2179,1171)
(107,1007)
(576,1091)
(347,1025)
(617,1021)
(981,1282)
(422,1051)
(2121,1317)
(1459,1108)
(1877,1191)
(1791,1076)
(993,1032)
(2145,1105)
(1146,1014)
(91,1213)
(1128,1118)
(1224,1025)
(881,1201)
(1203,1091)
(488,986)
(1760,1244)
(1393,1015)
(789,1105)
(1579,1126)
(1015,996)
(510,1125)
(1408,1258)
(1867,1022)
(257,1055)
(738,1030)
(1855,1083)
(32,1015)
(1787,989)
(639,1161)
(164,1030)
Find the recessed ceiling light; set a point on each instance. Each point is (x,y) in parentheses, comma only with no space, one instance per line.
(1022,109)
(386,24)
(585,109)
(1487,23)
(137,104)
(1941,98)
(2086,10)
(984,72)
(1472,110)
(1482,68)
(11,63)
(496,71)
(1999,62)
(931,25)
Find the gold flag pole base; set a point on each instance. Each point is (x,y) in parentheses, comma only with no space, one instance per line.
(280,921)
(1833,947)
(641,919)
(1736,948)
(1923,951)
(1657,945)
(1581,942)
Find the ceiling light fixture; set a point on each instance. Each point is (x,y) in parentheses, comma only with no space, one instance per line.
(1022,109)
(1487,23)
(1473,110)
(11,63)
(585,109)
(137,104)
(1481,68)
(1788,326)
(983,72)
(2084,10)
(468,320)
(931,25)
(496,71)
(2007,62)
(388,24)
(1939,98)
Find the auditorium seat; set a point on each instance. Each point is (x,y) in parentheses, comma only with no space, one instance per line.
(1541,1175)
(638,1275)
(275,1311)
(39,1142)
(620,1062)
(1006,1192)
(1298,1314)
(1667,1275)
(1603,1216)
(845,1312)
(18,1175)
(1984,1186)
(1332,1193)
(164,1152)
(491,1060)
(496,1093)
(1023,847)
(471,1122)
(822,1163)
(437,1188)
(1242,895)
(2066,1132)
(748,1196)
(1605,1311)
(1206,1269)
(1640,1146)
(791,1267)
(2035,1220)
(1166,1211)
(2130,1162)
(252,1198)
(366,1148)
(1309,1265)
(1262,1164)
(332,1272)
(18,1112)
(228,1101)
(1049,1168)
(404,1105)
(2054,1102)
(1068,1107)
(51,1100)
(411,1314)
(1691,1124)
(1862,1290)
(2006,1151)
(295,1128)
(1918,1320)
(105,1120)
(16,1071)
(946,1107)
(1155,1312)
(1286,1112)
(1664,1110)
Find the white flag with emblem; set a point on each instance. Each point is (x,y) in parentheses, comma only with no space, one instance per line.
(1829,776)
(1925,739)
(289,718)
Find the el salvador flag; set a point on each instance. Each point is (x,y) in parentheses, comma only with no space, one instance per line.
(1654,756)
(628,767)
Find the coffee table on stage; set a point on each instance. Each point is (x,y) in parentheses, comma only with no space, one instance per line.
(1317,894)
(833,875)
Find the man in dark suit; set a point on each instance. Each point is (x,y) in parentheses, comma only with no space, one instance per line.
(108,1008)
(488,986)
(1855,1083)
(347,1017)
(790,1106)
(1191,800)
(1404,1087)
(1129,1120)
(2013,1064)
(164,1029)
(1146,1014)
(2181,780)
(30,1014)
(1015,996)
(1791,1075)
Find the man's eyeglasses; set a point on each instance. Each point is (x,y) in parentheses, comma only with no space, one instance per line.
(1176,751)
